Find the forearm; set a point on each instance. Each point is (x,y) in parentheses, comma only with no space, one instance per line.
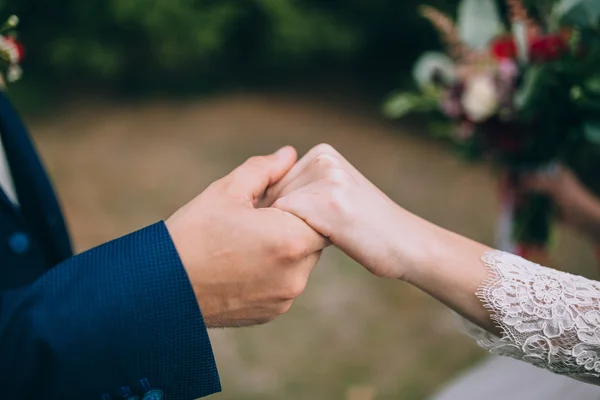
(450,269)
(526,311)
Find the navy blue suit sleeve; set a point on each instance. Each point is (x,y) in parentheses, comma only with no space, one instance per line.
(105,319)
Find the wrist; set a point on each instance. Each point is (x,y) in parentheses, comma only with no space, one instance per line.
(416,245)
(178,238)
(434,252)
(428,254)
(206,299)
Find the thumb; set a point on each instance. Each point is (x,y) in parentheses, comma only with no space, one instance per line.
(251,179)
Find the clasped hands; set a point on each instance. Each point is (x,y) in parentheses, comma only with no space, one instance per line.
(250,241)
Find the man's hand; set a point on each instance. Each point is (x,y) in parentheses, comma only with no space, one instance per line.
(246,265)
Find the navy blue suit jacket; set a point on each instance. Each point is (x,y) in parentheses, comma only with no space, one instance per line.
(110,323)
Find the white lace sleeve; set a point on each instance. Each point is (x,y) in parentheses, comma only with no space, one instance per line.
(548,318)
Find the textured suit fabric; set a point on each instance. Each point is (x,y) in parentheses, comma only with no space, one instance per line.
(98,323)
(39,208)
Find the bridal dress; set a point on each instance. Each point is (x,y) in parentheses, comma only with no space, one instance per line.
(550,324)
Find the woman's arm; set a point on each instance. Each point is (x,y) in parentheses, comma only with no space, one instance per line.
(520,309)
(452,271)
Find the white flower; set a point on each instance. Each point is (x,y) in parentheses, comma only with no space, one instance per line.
(14,73)
(13,21)
(431,64)
(480,99)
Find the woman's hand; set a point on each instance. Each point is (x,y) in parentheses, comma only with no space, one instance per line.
(336,200)
(577,206)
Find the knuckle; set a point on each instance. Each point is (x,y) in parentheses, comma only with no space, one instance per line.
(325,162)
(338,201)
(294,288)
(326,159)
(257,162)
(284,307)
(325,148)
(292,249)
(223,187)
(286,249)
(338,178)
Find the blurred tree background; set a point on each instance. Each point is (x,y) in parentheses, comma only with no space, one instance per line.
(136,46)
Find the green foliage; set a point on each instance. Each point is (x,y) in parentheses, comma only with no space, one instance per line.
(592,131)
(579,12)
(532,90)
(534,220)
(191,44)
(401,104)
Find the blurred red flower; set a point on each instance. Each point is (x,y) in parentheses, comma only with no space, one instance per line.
(548,47)
(504,47)
(541,48)
(18,46)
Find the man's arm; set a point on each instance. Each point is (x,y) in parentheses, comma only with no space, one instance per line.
(104,320)
(127,311)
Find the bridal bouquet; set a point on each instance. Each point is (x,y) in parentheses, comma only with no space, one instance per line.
(521,93)
(11,51)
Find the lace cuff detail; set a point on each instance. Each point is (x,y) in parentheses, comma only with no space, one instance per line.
(550,319)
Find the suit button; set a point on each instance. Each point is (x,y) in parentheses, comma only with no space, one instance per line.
(19,242)
(153,395)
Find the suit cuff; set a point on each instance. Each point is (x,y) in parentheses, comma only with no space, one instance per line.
(148,320)
(167,318)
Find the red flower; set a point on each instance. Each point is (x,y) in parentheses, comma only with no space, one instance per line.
(18,46)
(504,47)
(541,48)
(548,48)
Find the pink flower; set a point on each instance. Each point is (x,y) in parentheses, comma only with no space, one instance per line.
(451,102)
(451,107)
(508,70)
(12,48)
